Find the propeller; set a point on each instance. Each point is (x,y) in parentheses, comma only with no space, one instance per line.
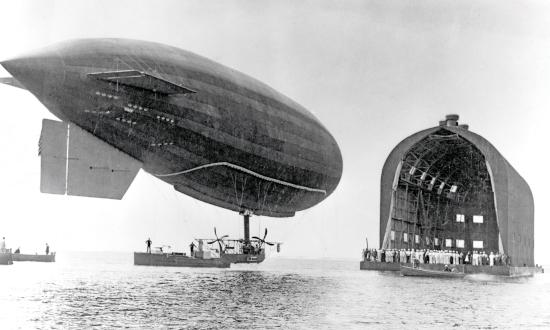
(262,240)
(218,239)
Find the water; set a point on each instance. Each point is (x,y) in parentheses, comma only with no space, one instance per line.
(105,290)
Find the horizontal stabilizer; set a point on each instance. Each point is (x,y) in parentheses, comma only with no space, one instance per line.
(12,82)
(75,162)
(141,80)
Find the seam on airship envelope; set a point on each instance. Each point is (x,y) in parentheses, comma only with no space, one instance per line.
(240,168)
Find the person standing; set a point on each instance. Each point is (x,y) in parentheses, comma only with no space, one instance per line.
(148,242)
(3,245)
(192,248)
(47,249)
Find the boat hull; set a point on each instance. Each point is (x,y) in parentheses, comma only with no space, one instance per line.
(6,259)
(176,260)
(34,257)
(410,271)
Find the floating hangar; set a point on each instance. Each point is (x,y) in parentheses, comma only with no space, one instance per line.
(449,188)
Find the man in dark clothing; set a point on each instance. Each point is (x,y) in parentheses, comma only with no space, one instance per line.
(148,242)
(192,248)
(47,249)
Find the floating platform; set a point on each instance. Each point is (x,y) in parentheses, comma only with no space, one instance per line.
(510,271)
(411,271)
(34,257)
(6,259)
(177,260)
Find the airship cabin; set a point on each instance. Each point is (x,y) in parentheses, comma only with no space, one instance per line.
(447,188)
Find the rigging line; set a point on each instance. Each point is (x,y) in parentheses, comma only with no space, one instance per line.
(264,204)
(130,67)
(67,159)
(141,64)
(259,203)
(235,187)
(242,191)
(245,170)
(266,191)
(259,190)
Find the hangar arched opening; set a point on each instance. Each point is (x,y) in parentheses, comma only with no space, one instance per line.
(443,198)
(447,188)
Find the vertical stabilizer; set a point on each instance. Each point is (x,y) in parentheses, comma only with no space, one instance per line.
(75,162)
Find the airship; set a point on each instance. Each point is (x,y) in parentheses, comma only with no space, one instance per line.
(213,133)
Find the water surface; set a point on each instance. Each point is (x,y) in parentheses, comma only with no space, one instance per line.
(105,290)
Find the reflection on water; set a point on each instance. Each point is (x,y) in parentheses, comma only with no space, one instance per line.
(106,290)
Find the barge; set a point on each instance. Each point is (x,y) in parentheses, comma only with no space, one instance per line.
(34,257)
(176,259)
(500,270)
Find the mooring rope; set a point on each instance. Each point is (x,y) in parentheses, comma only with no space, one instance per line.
(245,170)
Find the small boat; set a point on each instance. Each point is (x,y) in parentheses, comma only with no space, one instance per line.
(411,271)
(34,257)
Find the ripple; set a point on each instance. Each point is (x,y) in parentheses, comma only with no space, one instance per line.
(289,294)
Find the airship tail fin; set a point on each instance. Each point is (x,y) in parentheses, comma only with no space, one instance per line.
(74,162)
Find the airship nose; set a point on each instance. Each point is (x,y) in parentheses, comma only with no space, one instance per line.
(36,73)
(28,72)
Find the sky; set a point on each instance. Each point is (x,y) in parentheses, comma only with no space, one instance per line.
(373,72)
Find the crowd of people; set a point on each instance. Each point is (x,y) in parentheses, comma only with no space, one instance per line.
(447,257)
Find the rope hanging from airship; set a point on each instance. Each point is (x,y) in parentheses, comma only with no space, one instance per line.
(262,201)
(245,170)
(237,200)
